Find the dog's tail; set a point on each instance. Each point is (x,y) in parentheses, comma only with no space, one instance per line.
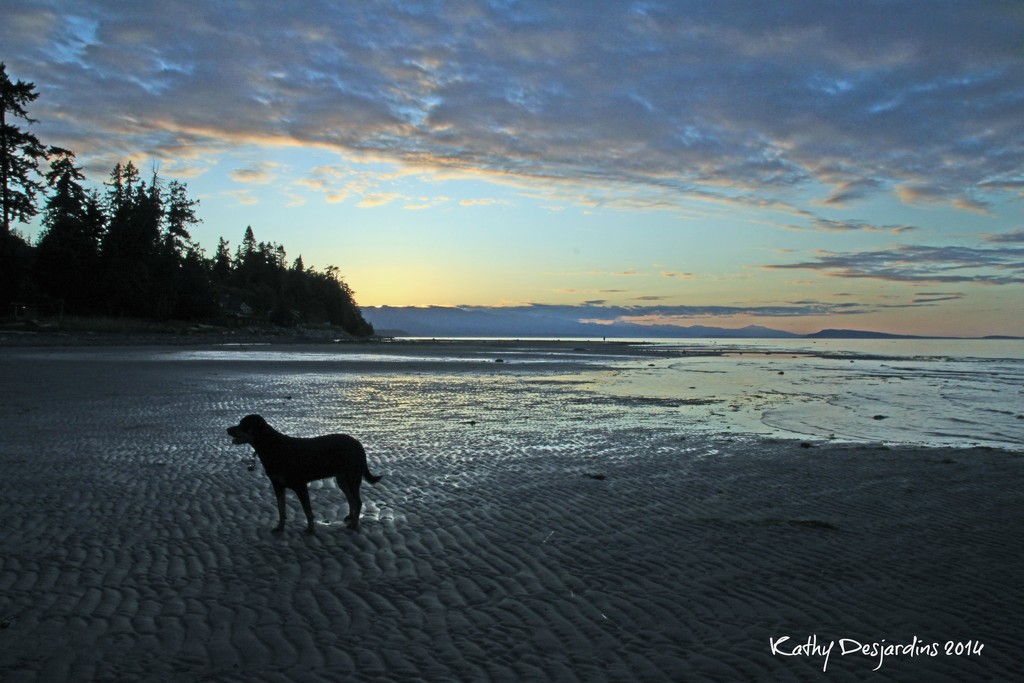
(373,479)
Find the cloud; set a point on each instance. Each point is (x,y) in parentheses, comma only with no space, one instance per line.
(611,313)
(937,297)
(378,199)
(573,319)
(850,225)
(243,196)
(939,194)
(257,174)
(828,225)
(421,203)
(1015,237)
(483,202)
(337,183)
(845,191)
(660,100)
(920,263)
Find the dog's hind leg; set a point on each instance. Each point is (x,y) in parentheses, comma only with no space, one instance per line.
(279,494)
(303,493)
(349,485)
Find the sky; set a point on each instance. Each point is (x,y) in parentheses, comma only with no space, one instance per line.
(796,165)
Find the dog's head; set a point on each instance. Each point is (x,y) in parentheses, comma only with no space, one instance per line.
(248,430)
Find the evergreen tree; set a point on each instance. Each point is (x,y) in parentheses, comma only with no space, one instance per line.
(67,254)
(248,246)
(119,186)
(260,276)
(180,216)
(194,295)
(222,262)
(65,179)
(130,252)
(131,245)
(20,152)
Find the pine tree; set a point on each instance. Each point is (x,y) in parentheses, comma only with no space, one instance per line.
(222,262)
(248,246)
(180,216)
(131,245)
(67,255)
(20,152)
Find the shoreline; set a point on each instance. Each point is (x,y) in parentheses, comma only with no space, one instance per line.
(522,531)
(809,394)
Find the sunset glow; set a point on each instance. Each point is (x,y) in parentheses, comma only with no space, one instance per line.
(796,165)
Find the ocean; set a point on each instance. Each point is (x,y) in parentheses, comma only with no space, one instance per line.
(924,392)
(960,393)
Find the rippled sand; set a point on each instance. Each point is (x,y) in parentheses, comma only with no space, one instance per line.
(523,531)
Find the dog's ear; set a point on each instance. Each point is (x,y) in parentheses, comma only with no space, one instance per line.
(253,423)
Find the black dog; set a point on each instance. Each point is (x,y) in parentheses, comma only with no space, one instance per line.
(292,463)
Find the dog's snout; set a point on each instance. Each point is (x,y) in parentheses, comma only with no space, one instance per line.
(238,435)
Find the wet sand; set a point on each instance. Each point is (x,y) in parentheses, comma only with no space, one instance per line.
(521,532)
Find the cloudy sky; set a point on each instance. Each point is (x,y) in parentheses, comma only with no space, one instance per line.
(798,165)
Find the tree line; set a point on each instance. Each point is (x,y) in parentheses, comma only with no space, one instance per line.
(128,251)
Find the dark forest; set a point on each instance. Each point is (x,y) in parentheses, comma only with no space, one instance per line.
(127,251)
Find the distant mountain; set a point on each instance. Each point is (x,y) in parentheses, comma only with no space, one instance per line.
(568,321)
(535,321)
(858,334)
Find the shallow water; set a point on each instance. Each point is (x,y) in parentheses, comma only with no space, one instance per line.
(924,392)
(931,392)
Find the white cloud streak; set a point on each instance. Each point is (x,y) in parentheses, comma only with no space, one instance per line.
(737,101)
(920,263)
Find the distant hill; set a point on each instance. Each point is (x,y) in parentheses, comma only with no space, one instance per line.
(858,334)
(540,321)
(565,322)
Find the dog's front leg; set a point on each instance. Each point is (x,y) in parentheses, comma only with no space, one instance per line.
(279,494)
(303,493)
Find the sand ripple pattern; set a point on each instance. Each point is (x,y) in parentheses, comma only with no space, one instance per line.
(521,534)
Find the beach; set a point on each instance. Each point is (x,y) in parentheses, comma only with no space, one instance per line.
(528,527)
